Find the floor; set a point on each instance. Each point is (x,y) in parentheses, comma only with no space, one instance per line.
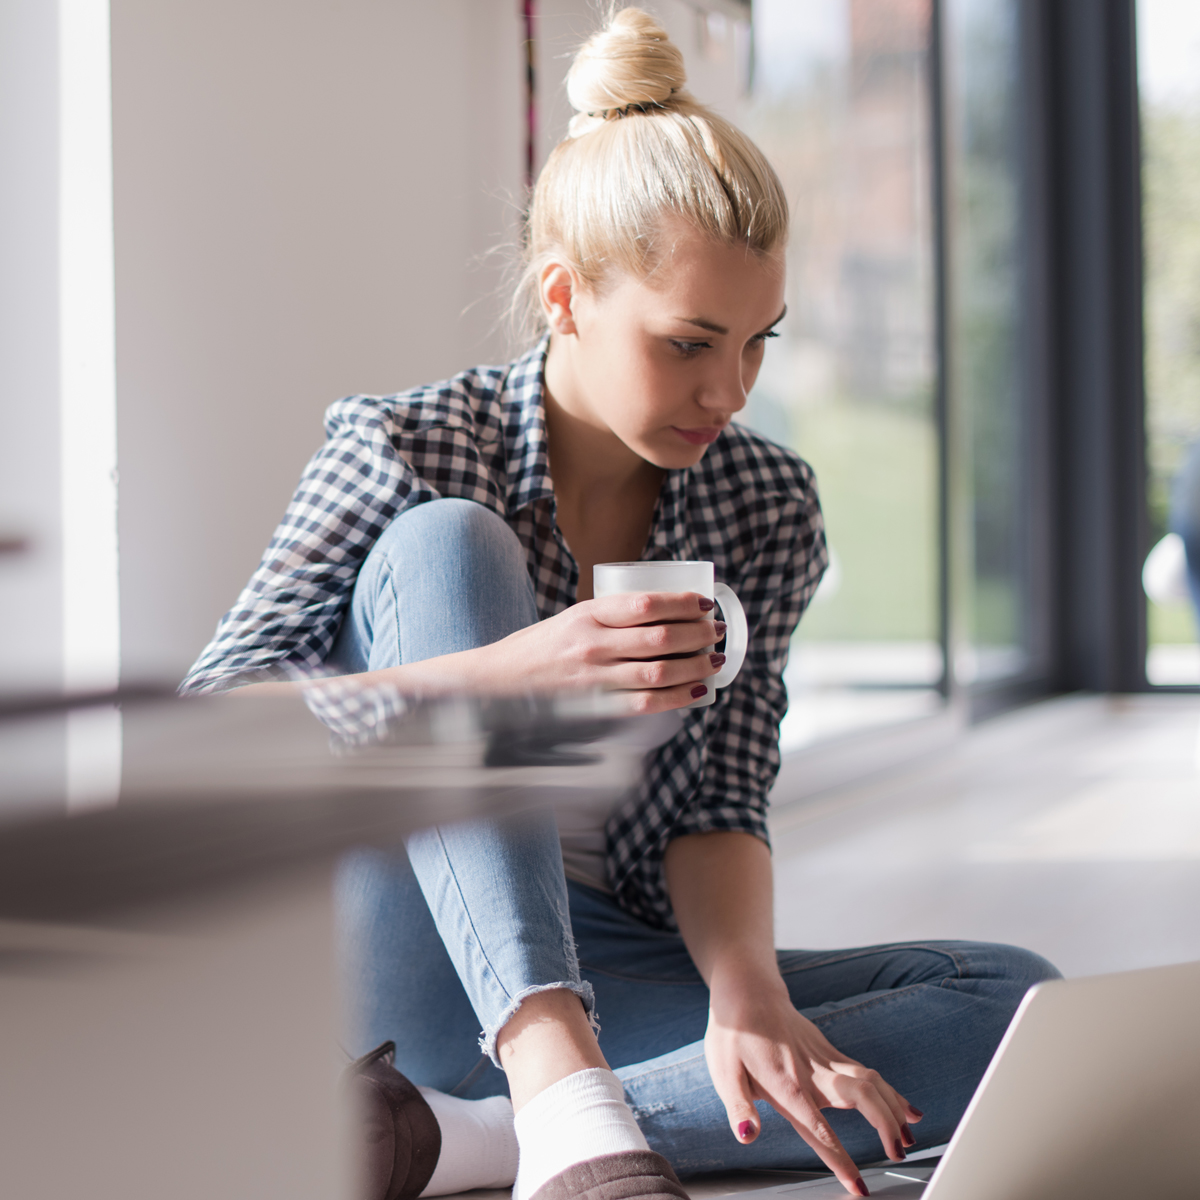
(1071,827)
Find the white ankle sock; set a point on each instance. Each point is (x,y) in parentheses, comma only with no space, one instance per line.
(577,1118)
(479,1147)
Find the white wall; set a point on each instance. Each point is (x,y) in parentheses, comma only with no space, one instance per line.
(305,191)
(30,586)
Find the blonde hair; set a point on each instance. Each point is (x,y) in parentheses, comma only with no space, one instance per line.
(641,149)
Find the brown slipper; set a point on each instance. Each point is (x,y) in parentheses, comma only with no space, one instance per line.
(631,1175)
(398,1139)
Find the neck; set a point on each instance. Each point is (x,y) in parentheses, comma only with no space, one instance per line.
(588,462)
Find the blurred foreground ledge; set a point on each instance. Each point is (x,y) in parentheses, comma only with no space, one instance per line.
(167,976)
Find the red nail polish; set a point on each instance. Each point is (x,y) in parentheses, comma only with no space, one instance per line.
(698,691)
(899,1150)
(906,1136)
(720,627)
(746,1130)
(915,1109)
(860,1186)
(707,605)
(717,660)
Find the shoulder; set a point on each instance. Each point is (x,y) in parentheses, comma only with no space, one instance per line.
(751,500)
(469,402)
(747,463)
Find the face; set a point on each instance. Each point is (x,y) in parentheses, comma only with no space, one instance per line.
(664,363)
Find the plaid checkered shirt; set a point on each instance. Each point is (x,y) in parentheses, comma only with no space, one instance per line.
(749,506)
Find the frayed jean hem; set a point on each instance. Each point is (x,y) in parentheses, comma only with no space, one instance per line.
(487,1039)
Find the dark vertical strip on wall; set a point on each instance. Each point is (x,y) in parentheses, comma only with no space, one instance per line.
(1036,371)
(1093,161)
(937,143)
(531,123)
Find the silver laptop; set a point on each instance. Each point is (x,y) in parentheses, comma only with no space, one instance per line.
(1094,1094)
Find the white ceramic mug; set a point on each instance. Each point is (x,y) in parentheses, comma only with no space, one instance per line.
(615,579)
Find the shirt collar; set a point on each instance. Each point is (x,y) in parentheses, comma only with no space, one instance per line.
(669,535)
(528,459)
(527,450)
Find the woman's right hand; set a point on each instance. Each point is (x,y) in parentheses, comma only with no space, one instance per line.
(648,645)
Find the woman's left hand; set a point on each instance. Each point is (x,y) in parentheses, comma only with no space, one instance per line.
(759,1047)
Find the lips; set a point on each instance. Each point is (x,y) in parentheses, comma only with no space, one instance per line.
(700,437)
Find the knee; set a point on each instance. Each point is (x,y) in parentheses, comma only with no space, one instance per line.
(461,528)
(1006,973)
(451,575)
(1024,968)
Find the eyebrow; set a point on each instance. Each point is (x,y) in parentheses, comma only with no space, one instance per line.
(713,327)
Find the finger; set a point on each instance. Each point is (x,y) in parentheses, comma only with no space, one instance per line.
(641,702)
(863,1093)
(673,640)
(806,1119)
(887,1094)
(652,643)
(665,673)
(650,608)
(902,1111)
(912,1114)
(738,1098)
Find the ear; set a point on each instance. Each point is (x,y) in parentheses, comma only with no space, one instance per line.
(557,289)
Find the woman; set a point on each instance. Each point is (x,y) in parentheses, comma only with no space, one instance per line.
(444,540)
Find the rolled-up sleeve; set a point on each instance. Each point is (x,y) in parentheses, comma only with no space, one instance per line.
(742,757)
(287,617)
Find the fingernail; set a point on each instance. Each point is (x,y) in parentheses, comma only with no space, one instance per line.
(706,605)
(915,1109)
(698,691)
(746,1130)
(720,626)
(716,660)
(860,1186)
(907,1136)
(899,1149)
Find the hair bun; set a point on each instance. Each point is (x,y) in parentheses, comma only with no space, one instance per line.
(630,61)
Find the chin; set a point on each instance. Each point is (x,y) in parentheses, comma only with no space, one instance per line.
(674,458)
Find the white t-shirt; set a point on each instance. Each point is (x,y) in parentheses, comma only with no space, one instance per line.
(584,844)
(581,825)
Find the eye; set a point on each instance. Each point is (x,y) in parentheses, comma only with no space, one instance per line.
(689,349)
(759,338)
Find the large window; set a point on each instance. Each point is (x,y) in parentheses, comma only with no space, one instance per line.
(1169,87)
(841,105)
(961,362)
(992,633)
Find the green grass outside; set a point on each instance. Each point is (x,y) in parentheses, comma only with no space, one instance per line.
(1170,623)
(876,469)
(997,620)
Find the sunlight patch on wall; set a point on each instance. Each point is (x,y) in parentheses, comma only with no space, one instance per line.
(87,332)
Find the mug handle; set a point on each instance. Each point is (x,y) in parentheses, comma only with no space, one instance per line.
(737,635)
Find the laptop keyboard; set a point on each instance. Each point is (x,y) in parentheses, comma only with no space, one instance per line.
(897,1183)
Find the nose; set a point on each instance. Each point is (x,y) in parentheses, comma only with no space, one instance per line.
(725,389)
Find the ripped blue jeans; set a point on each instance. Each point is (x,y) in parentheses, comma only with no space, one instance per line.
(444,938)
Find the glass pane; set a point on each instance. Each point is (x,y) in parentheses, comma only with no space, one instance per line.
(989,517)
(840,103)
(1169,87)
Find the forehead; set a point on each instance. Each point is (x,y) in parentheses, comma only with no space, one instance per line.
(691,265)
